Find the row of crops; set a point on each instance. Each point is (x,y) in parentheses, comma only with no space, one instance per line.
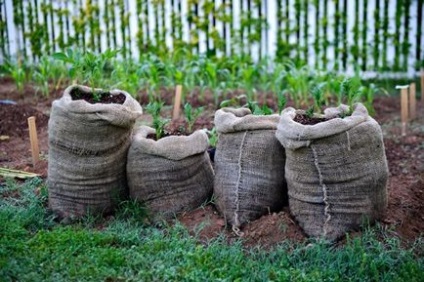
(376,35)
(227,80)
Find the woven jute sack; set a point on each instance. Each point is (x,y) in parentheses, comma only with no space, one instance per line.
(336,171)
(171,175)
(249,166)
(88,146)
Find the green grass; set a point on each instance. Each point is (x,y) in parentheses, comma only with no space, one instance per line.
(35,248)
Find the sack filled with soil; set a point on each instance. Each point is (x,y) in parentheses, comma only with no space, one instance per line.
(336,170)
(88,146)
(170,175)
(249,161)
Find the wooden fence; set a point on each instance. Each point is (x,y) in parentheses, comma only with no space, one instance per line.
(374,35)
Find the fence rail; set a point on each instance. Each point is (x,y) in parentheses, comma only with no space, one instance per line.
(374,35)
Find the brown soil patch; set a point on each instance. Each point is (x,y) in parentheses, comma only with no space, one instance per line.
(405,155)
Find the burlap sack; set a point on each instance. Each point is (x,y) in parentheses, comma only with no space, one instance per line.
(88,145)
(249,161)
(336,171)
(171,175)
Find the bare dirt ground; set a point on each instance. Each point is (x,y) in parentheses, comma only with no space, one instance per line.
(405,155)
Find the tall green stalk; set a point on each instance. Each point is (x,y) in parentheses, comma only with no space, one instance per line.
(96,17)
(121,5)
(60,22)
(31,23)
(128,28)
(108,24)
(355,47)
(6,54)
(377,27)
(67,14)
(324,40)
(344,33)
(52,31)
(157,31)
(405,43)
(364,34)
(298,8)
(140,32)
(418,49)
(396,37)
(305,31)
(337,16)
(2,32)
(385,34)
(163,47)
(113,23)
(44,9)
(18,20)
(146,24)
(317,33)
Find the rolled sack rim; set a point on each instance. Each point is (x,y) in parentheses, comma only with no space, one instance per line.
(84,106)
(228,120)
(294,135)
(170,147)
(123,115)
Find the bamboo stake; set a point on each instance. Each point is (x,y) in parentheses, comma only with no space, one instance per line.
(412,101)
(5,172)
(34,140)
(177,102)
(403,106)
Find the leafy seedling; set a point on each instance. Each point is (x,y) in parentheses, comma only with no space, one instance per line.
(191,115)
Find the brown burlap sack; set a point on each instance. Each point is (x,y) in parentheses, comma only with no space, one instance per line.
(336,171)
(171,175)
(249,161)
(88,145)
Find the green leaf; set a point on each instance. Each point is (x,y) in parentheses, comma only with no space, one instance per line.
(62,57)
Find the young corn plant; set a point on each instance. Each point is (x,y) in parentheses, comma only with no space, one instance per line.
(368,95)
(87,67)
(350,90)
(17,72)
(318,96)
(191,115)
(42,75)
(298,84)
(154,108)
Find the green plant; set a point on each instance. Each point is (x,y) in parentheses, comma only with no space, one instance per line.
(191,115)
(213,137)
(154,108)
(17,72)
(318,96)
(368,94)
(87,67)
(350,91)
(42,75)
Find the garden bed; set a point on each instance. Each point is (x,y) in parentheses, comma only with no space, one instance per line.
(405,214)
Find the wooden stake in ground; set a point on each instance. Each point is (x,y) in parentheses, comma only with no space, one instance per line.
(403,106)
(177,102)
(34,140)
(412,102)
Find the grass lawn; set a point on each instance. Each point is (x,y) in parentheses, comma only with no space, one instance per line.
(33,247)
